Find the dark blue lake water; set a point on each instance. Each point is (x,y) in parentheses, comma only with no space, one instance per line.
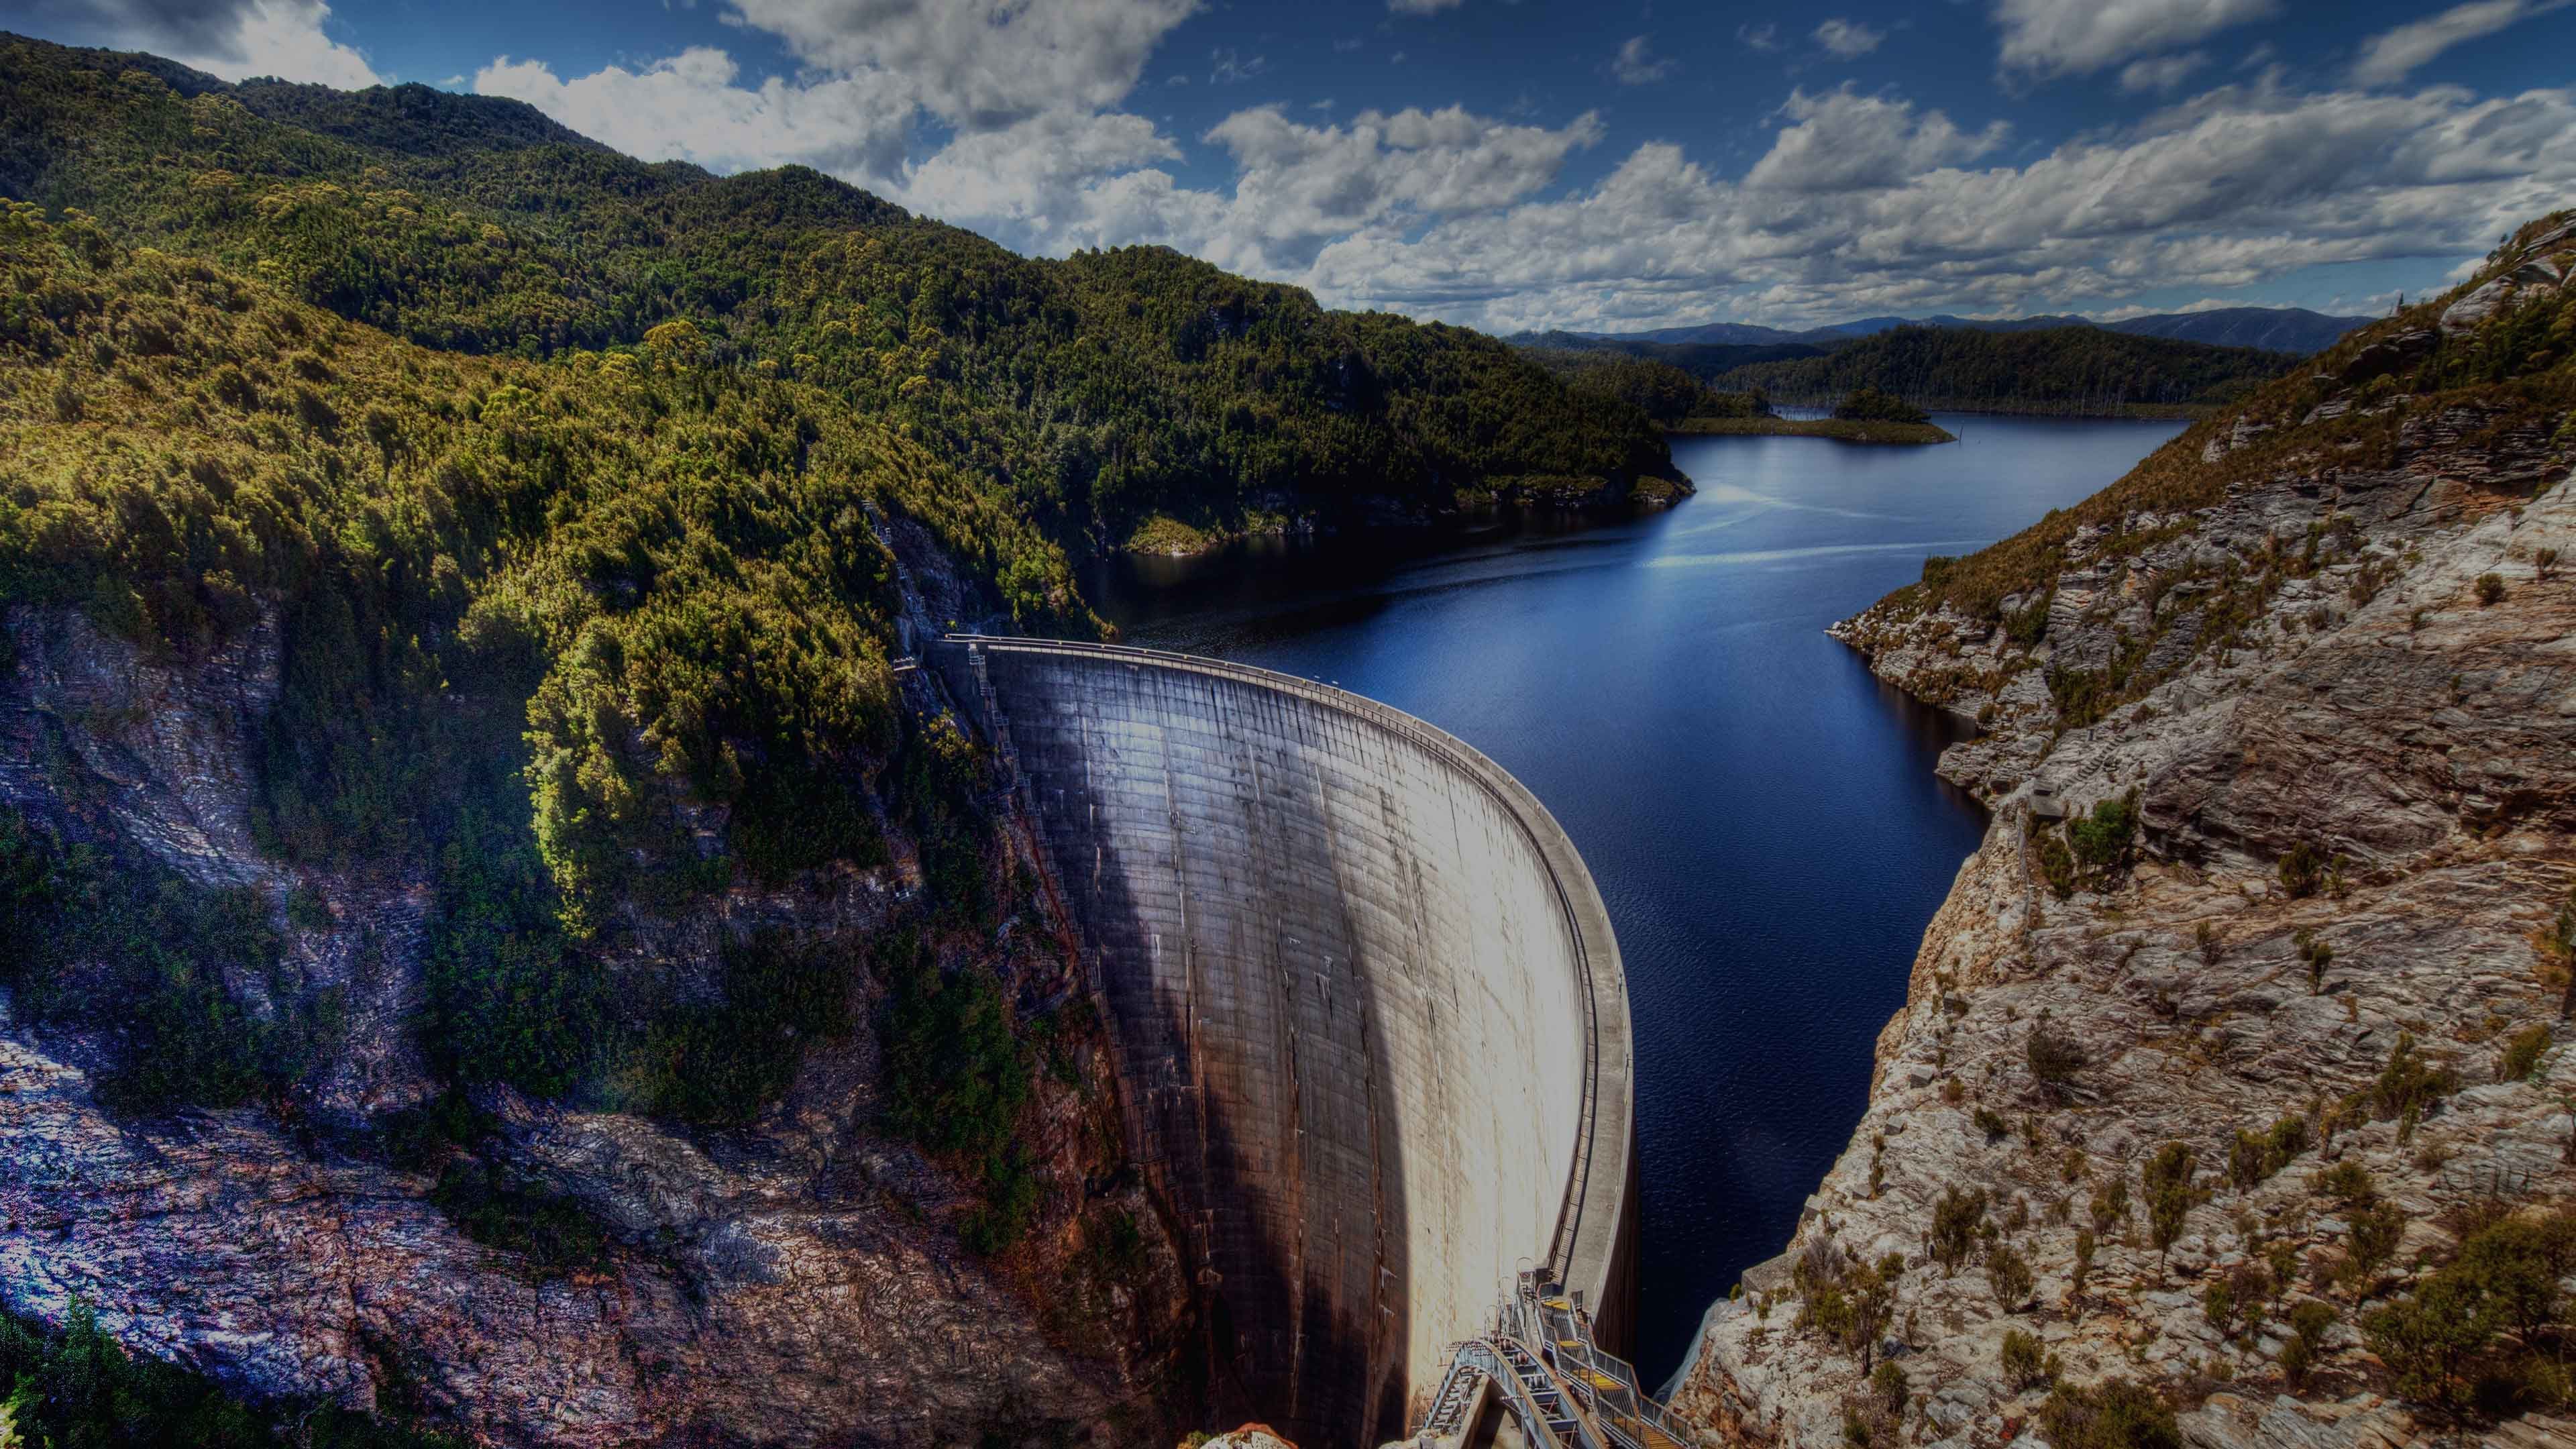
(1761,814)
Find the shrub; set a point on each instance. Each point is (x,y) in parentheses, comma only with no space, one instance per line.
(2052,1055)
(2025,1363)
(955,1080)
(75,1387)
(2308,1324)
(2085,1246)
(2169,1193)
(2349,1183)
(2008,1273)
(2056,866)
(2490,589)
(1888,1387)
(2427,1338)
(717,1064)
(2110,1205)
(2376,1231)
(2408,1085)
(2247,1160)
(2103,838)
(2303,870)
(1992,1124)
(2319,955)
(2117,1414)
(1955,1219)
(553,1234)
(2522,1053)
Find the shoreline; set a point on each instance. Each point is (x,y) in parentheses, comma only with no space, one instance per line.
(1840,430)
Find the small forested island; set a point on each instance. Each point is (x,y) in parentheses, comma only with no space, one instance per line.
(1866,415)
(1680,403)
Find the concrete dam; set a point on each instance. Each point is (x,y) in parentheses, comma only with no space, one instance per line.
(1371,1022)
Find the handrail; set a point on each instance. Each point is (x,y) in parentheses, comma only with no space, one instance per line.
(1555,851)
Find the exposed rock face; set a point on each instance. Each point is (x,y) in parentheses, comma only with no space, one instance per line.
(797,1282)
(2309,671)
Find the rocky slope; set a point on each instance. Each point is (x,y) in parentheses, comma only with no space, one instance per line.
(2305,687)
(798,1281)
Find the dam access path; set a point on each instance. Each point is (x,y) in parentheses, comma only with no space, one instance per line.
(1368,1010)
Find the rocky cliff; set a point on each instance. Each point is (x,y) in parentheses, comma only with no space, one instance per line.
(798,1280)
(2232,1066)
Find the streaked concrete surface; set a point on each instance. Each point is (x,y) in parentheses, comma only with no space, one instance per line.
(1373,1028)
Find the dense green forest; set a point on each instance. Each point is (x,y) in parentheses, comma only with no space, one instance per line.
(2078,371)
(1665,393)
(2074,371)
(1086,394)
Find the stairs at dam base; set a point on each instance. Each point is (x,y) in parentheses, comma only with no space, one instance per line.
(1536,1379)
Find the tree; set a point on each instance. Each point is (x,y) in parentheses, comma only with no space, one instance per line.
(2169,1193)
(2427,1338)
(2025,1363)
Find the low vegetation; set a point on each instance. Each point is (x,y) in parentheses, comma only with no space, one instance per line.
(73,1387)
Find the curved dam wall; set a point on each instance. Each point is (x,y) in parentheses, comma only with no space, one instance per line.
(1372,1025)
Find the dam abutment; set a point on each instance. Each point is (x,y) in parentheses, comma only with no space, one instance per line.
(1371,1024)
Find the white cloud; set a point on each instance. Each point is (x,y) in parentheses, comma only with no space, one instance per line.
(2388,57)
(2075,37)
(1422,7)
(1759,37)
(2221,192)
(1862,203)
(1848,40)
(977,63)
(2162,73)
(230,39)
(690,108)
(1636,64)
(1842,141)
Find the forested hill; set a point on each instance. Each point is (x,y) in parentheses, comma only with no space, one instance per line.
(2075,371)
(1088,394)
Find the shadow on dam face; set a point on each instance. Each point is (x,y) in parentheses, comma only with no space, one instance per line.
(1370,1020)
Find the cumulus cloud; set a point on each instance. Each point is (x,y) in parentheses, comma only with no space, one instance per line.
(1636,64)
(2391,55)
(232,39)
(2044,38)
(1863,201)
(1759,37)
(1843,141)
(691,107)
(2162,73)
(977,63)
(2229,189)
(1848,40)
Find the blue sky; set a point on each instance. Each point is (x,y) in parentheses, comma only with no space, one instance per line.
(1543,163)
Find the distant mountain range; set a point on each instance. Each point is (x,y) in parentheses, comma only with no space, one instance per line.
(2273,329)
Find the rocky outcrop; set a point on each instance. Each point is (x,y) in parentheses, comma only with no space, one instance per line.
(800,1281)
(2329,720)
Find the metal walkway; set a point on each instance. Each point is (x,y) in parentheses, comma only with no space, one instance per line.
(1562,1387)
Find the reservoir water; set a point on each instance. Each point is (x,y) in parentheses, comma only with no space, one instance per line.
(1759,812)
